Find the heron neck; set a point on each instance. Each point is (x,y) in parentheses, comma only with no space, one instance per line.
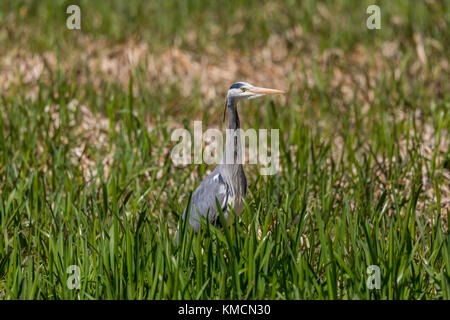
(232,154)
(231,165)
(233,117)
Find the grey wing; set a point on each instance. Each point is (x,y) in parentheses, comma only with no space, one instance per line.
(204,199)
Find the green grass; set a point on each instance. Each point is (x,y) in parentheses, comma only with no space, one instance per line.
(356,188)
(162,23)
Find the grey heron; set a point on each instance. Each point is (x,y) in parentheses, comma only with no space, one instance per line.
(226,183)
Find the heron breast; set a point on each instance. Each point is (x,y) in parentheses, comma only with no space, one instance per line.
(235,202)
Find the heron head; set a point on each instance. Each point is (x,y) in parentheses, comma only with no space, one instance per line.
(244,90)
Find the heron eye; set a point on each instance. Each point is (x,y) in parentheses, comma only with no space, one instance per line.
(244,89)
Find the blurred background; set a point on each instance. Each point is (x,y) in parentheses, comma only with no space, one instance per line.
(363,126)
(204,46)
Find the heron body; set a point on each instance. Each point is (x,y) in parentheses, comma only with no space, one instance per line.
(227,182)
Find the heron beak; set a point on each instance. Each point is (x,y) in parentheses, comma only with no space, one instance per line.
(261,91)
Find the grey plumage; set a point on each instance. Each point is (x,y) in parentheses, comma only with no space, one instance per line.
(227,184)
(203,201)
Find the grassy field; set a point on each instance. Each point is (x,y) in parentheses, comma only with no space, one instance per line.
(86,177)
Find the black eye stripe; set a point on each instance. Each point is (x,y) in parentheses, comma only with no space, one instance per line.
(237,85)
